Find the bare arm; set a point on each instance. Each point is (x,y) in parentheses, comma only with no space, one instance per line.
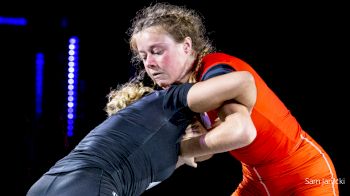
(212,93)
(237,130)
(235,95)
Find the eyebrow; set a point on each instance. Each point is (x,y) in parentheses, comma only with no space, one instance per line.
(153,46)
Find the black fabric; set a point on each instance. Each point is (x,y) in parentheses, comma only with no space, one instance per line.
(138,145)
(86,181)
(217,70)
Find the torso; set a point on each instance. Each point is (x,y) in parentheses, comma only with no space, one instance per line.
(139,144)
(274,123)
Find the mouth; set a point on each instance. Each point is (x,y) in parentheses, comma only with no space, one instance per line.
(156,74)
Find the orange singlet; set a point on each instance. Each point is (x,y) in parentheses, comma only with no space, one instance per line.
(283,159)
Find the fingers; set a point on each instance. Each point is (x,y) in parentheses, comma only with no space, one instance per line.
(190,161)
(216,123)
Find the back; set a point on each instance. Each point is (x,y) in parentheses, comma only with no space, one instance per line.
(139,144)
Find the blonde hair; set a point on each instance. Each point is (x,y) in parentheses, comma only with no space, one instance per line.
(124,95)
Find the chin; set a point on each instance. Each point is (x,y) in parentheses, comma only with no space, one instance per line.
(164,86)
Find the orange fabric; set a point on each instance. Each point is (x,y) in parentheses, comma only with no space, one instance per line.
(283,159)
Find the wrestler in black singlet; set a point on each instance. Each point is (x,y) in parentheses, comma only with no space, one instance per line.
(129,152)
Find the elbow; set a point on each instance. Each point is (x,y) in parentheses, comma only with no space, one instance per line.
(247,79)
(244,132)
(250,90)
(248,134)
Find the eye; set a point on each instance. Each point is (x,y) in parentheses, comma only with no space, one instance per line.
(157,51)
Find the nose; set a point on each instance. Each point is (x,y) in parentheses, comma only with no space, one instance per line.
(149,62)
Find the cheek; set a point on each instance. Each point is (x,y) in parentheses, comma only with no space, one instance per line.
(171,66)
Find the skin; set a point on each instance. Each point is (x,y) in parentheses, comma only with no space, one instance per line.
(194,130)
(165,60)
(236,129)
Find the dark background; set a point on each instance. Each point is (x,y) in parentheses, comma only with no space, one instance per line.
(301,51)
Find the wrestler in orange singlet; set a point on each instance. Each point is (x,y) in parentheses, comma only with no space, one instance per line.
(283,159)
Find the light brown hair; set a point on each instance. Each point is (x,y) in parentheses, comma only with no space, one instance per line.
(179,22)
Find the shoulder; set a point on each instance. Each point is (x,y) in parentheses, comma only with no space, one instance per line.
(176,95)
(217,57)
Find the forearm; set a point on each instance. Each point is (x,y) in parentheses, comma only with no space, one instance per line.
(235,132)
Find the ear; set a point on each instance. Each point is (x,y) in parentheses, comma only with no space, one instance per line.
(187,44)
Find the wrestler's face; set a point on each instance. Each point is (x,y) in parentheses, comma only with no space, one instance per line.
(165,60)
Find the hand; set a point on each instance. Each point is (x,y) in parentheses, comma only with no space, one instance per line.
(193,130)
(216,123)
(190,161)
